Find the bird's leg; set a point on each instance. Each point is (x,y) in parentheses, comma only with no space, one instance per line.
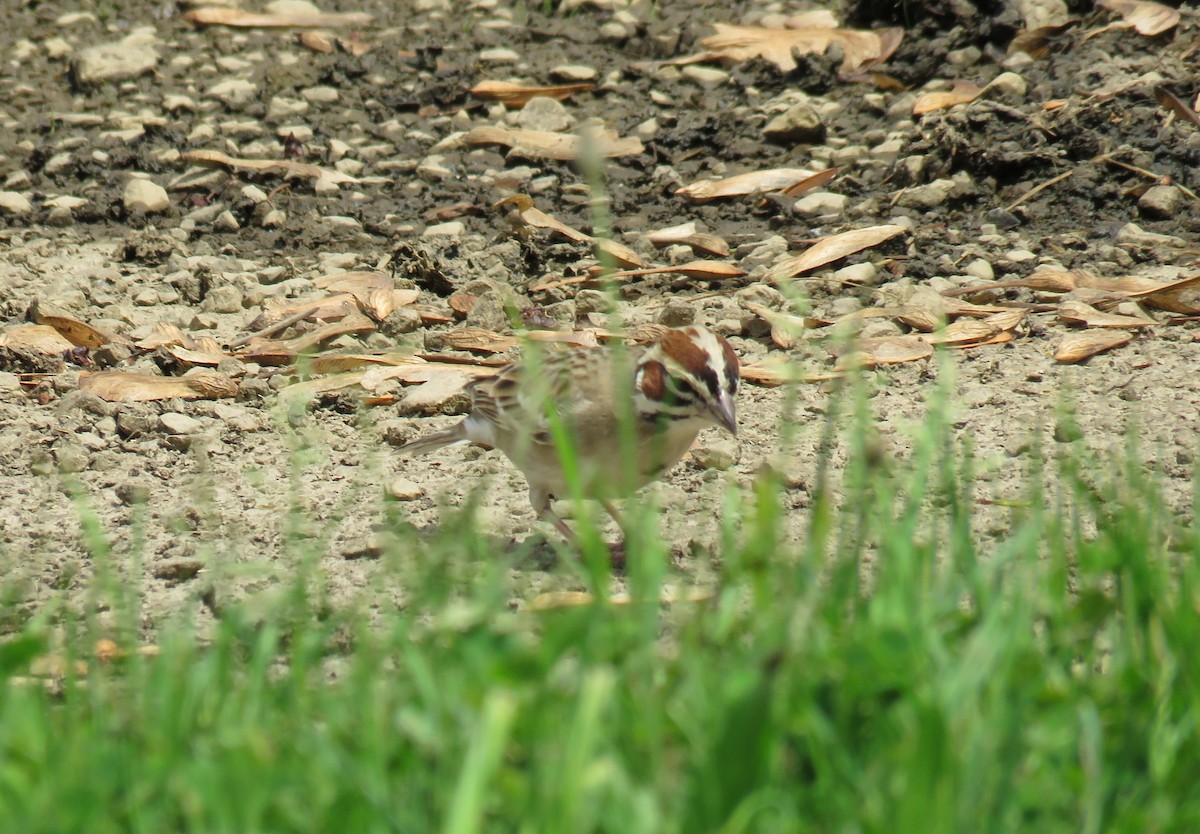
(611,508)
(540,499)
(617,550)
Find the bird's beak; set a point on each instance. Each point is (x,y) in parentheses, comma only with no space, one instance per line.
(725,413)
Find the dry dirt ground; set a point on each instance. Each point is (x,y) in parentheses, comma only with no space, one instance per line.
(175,484)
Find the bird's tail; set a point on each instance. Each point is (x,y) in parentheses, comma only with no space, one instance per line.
(452,436)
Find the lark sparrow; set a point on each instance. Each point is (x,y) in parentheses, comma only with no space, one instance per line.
(627,415)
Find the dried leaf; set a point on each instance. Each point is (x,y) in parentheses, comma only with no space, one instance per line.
(518,95)
(687,235)
(770,375)
(785,328)
(1172,103)
(920,318)
(285,351)
(204,350)
(540,144)
(817,180)
(540,220)
(288,168)
(1182,296)
(337,362)
(574,338)
(162,335)
(475,339)
(621,254)
(317,41)
(330,308)
(1145,17)
(1076,347)
(1039,42)
(886,350)
(127,387)
(36,338)
(773,179)
(998,339)
(352,45)
(700,270)
(462,302)
(1055,280)
(372,291)
(970,331)
(779,46)
(1076,312)
(833,248)
(963,92)
(225,16)
(78,332)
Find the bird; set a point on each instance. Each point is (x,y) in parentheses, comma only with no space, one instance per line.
(614,416)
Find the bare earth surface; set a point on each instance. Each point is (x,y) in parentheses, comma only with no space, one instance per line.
(175,484)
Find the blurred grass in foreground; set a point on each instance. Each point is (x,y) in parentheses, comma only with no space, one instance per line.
(881,675)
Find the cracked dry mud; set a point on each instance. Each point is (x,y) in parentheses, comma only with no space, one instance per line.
(178,484)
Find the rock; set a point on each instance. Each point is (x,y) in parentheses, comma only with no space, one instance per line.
(763,294)
(927,196)
(129,57)
(592,301)
(234,92)
(14,203)
(764,252)
(254,194)
(863,274)
(499,55)
(647,130)
(60,217)
(226,299)
(173,422)
(677,313)
(71,458)
(291,7)
(1010,84)
(226,222)
(443,394)
(981,269)
(453,228)
(1019,256)
(888,150)
(66,201)
(1002,219)
(57,48)
(1160,202)
(966,57)
(573,73)
(173,102)
(274,219)
(431,169)
(57,163)
(820,203)
(281,108)
(706,77)
(800,123)
(1134,234)
(544,113)
(145,196)
(719,453)
(402,489)
(320,95)
(1039,13)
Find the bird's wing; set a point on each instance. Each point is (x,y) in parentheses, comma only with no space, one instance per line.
(520,398)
